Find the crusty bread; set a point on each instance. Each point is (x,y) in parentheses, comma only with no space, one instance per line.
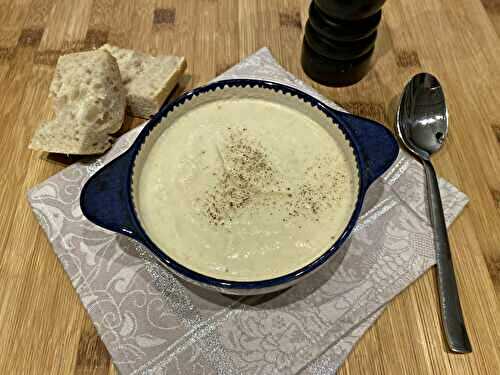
(89,105)
(147,79)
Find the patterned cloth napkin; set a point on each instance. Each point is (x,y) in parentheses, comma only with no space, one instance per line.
(153,323)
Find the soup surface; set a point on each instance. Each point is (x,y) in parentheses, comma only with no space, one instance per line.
(246,189)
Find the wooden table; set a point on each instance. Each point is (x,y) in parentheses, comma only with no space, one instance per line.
(43,327)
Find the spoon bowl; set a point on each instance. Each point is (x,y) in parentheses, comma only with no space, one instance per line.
(422,117)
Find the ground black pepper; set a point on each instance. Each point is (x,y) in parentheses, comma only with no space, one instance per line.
(249,177)
(247,170)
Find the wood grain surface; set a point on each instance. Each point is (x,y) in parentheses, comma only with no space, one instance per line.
(44,328)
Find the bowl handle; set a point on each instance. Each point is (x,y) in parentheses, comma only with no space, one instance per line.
(104,199)
(378,147)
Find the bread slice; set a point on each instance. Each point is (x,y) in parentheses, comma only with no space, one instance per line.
(89,104)
(147,79)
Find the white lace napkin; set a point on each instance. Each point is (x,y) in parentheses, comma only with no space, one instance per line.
(152,323)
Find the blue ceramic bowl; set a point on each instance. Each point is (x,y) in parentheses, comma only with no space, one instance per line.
(107,198)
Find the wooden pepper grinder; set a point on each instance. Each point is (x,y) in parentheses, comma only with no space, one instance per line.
(339,40)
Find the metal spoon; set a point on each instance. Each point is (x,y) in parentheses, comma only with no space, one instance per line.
(422,125)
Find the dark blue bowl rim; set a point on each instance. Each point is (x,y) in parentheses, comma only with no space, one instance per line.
(246,285)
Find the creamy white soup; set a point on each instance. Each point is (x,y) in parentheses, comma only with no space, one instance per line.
(246,189)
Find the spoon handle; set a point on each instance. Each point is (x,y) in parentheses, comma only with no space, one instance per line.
(453,320)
